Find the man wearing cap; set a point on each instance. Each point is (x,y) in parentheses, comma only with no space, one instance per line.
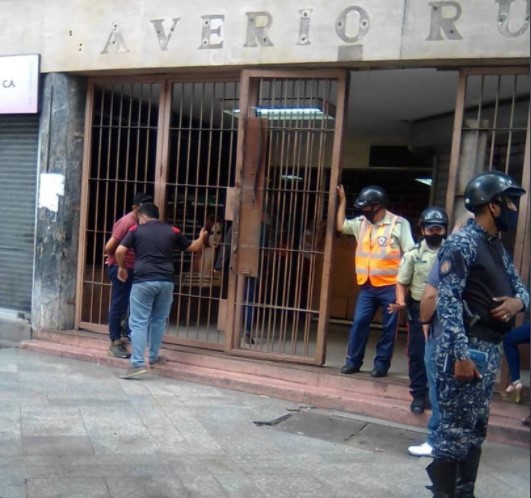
(479,294)
(411,279)
(120,291)
(382,238)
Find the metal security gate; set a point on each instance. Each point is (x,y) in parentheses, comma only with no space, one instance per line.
(120,160)
(199,157)
(174,140)
(491,132)
(19,137)
(187,142)
(290,128)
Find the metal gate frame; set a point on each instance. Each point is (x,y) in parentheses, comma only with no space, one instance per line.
(248,96)
(232,330)
(522,247)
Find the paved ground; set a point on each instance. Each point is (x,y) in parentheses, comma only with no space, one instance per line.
(74,429)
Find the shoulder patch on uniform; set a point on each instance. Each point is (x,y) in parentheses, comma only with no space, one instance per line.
(175,230)
(445,266)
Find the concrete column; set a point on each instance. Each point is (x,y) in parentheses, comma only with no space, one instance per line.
(57,226)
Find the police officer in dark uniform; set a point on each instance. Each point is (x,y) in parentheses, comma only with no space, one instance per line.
(479,295)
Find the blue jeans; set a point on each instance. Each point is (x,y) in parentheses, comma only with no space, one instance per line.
(119,300)
(429,360)
(369,300)
(150,307)
(250,289)
(518,335)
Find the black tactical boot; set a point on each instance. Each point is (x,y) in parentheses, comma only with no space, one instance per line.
(443,475)
(468,472)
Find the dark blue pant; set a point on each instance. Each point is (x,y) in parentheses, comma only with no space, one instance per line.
(119,301)
(518,335)
(369,300)
(250,291)
(418,382)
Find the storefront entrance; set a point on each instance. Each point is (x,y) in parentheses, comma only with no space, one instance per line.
(254,157)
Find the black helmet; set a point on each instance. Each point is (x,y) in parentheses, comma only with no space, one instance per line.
(433,216)
(371,195)
(484,188)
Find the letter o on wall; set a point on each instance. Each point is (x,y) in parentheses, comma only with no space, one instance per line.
(359,16)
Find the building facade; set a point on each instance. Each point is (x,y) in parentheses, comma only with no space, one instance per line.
(245,118)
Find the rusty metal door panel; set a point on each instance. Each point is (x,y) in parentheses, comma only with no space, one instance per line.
(174,140)
(252,191)
(280,310)
(199,155)
(120,160)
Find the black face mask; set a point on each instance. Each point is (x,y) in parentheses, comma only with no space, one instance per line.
(370,215)
(507,220)
(434,240)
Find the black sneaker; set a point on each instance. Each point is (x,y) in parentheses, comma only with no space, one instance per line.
(376,372)
(417,405)
(118,350)
(349,369)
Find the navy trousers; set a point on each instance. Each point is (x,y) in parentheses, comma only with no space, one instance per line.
(119,301)
(418,382)
(370,299)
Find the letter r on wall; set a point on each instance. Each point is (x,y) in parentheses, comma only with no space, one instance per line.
(440,22)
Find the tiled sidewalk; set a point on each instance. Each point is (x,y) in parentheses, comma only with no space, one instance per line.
(74,429)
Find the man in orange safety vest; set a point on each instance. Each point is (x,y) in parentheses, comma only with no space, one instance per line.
(382,238)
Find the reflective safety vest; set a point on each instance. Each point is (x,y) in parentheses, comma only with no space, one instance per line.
(378,264)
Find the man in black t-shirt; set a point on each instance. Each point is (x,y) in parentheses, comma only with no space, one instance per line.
(154,243)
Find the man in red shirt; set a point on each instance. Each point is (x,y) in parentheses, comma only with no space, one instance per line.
(121,290)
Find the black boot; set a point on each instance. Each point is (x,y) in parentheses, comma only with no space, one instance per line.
(443,475)
(468,472)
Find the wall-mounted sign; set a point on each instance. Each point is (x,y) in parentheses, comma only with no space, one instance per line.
(19,84)
(143,34)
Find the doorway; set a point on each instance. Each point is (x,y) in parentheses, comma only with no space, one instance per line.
(187,142)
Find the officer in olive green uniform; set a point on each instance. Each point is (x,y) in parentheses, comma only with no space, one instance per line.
(414,269)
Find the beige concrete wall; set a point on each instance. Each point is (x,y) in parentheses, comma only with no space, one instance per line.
(85,35)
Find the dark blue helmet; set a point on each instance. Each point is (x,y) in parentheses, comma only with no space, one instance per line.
(370,196)
(485,187)
(434,216)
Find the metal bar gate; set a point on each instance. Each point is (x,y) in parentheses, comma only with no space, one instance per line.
(254,160)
